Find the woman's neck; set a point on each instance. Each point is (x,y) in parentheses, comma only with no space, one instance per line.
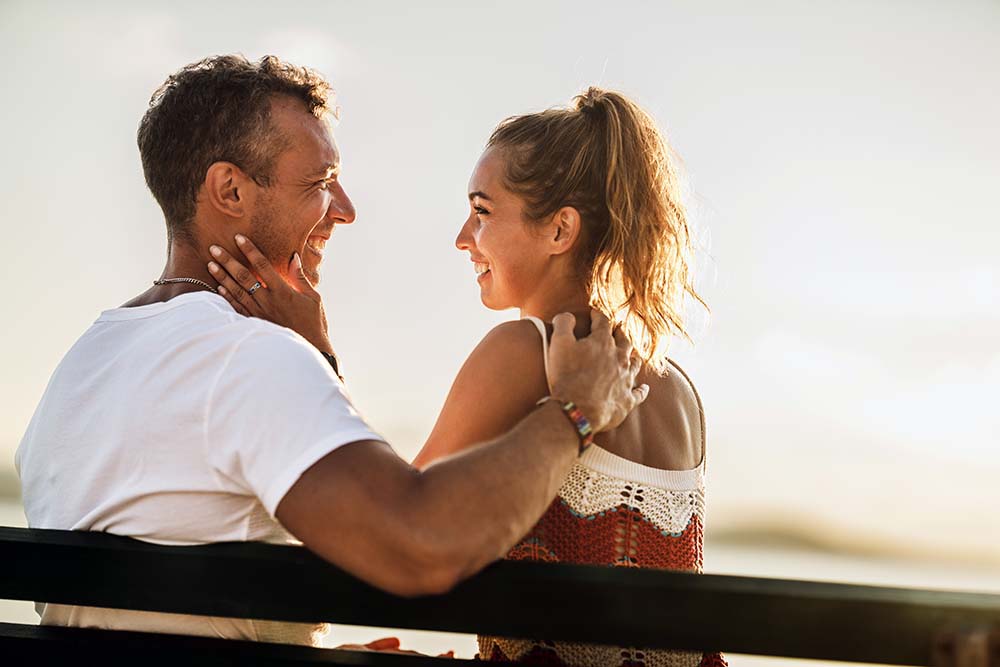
(569,299)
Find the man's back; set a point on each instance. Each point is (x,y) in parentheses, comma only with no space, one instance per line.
(180,422)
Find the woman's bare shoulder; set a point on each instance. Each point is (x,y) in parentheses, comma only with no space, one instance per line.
(511,350)
(496,387)
(517,336)
(510,357)
(673,416)
(682,388)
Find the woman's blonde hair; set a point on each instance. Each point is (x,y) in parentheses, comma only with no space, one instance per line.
(606,158)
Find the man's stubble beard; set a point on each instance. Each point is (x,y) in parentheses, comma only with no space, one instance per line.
(267,240)
(273,245)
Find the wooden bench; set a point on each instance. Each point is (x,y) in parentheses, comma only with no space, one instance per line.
(628,607)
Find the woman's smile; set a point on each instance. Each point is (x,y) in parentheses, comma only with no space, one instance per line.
(482,270)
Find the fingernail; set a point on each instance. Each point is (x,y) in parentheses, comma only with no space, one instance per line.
(222,290)
(215,250)
(213,267)
(241,239)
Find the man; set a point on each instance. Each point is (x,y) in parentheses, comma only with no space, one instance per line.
(175,419)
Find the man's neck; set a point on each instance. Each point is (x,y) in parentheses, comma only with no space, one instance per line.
(184,260)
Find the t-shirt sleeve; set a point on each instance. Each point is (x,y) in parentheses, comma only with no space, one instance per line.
(275,409)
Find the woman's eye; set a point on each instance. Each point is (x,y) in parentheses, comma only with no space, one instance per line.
(480,210)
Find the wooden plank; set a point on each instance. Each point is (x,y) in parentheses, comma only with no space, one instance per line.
(36,646)
(647,608)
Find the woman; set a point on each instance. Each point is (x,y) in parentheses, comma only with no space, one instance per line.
(569,209)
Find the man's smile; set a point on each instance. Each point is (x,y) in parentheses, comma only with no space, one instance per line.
(316,244)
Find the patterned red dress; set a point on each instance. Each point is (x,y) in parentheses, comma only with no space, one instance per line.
(614,512)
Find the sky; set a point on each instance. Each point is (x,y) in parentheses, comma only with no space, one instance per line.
(841,164)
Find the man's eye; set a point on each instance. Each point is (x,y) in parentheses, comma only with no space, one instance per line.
(326,183)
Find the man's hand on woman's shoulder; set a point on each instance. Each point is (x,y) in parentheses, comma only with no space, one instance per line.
(597,372)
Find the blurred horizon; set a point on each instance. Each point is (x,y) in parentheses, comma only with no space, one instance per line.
(841,162)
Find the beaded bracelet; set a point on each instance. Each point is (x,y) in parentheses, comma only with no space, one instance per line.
(577,418)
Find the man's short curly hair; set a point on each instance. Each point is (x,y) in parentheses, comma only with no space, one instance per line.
(218,110)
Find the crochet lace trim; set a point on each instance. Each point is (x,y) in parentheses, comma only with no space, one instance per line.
(602,461)
(588,493)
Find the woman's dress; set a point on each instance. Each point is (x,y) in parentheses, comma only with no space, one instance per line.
(618,513)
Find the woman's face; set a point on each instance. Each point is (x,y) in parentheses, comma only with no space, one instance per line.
(508,252)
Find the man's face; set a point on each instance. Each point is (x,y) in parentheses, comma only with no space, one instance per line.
(298,211)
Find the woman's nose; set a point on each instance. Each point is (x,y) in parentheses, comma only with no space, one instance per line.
(464,239)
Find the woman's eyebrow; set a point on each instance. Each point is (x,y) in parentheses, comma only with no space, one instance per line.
(480,194)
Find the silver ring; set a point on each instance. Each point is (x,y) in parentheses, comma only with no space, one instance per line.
(253,288)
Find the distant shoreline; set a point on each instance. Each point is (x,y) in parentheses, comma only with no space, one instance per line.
(804,533)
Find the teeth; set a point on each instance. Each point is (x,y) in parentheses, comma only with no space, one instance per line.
(316,243)
(481,268)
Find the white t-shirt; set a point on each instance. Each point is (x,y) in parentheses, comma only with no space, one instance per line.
(181,422)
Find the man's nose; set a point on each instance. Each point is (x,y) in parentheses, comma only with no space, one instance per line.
(341,209)
(464,239)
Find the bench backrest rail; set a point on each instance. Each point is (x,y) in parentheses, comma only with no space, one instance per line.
(628,607)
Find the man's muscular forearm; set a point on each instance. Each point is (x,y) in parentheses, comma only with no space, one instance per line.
(415,533)
(478,504)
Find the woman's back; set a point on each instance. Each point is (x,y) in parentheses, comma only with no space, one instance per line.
(667,430)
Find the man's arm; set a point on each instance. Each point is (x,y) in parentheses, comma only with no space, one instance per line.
(410,532)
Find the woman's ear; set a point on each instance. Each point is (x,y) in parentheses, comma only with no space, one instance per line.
(226,189)
(565,231)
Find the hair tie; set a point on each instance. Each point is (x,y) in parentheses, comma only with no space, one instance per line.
(591,108)
(590,101)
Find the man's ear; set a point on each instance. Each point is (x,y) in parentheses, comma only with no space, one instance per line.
(565,230)
(227,189)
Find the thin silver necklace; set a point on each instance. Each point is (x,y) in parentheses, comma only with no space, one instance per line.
(193,281)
